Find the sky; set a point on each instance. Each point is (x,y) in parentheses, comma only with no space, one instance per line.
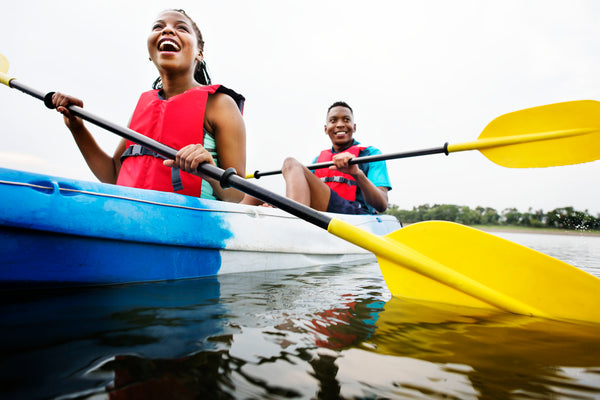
(418,74)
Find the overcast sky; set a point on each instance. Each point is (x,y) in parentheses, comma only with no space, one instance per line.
(417,73)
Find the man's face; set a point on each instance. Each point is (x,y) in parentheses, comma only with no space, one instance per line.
(340,127)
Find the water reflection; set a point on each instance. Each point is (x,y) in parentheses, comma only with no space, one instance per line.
(51,337)
(502,355)
(326,333)
(371,349)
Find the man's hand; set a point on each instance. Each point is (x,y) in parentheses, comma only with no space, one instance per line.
(340,163)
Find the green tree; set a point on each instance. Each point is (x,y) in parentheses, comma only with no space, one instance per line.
(468,216)
(444,212)
(490,216)
(511,216)
(422,212)
(533,219)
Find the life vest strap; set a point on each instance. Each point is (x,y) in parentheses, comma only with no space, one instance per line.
(138,150)
(338,179)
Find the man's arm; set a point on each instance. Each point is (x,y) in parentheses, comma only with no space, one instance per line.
(376,196)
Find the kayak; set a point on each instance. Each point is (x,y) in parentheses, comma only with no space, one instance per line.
(56,230)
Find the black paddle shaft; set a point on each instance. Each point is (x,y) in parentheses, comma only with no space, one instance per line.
(366,159)
(227,178)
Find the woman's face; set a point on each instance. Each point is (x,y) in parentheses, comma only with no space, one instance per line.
(173,44)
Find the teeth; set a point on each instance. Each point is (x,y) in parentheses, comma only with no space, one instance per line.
(168,45)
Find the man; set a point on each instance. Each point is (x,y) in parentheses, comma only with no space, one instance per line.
(343,188)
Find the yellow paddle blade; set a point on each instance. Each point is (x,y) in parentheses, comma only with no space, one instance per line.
(3,64)
(552,135)
(548,287)
(4,79)
(391,252)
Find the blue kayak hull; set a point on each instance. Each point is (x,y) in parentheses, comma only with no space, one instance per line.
(58,230)
(46,257)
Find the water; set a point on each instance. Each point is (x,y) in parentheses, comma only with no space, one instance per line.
(325,333)
(577,249)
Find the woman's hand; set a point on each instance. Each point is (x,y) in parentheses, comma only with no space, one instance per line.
(61,101)
(190,157)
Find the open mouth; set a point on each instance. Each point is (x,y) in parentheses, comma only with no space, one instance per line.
(168,45)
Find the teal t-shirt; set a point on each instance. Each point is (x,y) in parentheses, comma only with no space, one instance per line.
(210,146)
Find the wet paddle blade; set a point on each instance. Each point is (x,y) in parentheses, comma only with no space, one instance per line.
(579,121)
(549,287)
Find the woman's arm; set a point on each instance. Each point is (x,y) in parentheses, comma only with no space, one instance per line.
(225,119)
(104,167)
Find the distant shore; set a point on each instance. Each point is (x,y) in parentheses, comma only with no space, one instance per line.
(542,231)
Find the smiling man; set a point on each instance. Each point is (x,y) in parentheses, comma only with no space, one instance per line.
(343,188)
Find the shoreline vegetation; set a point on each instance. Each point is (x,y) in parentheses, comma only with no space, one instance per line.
(520,229)
(543,231)
(560,221)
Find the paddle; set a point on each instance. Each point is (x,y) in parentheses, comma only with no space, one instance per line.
(545,136)
(428,260)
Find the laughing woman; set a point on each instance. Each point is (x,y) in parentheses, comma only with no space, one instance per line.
(184,111)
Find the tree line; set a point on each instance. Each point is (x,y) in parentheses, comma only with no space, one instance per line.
(559,218)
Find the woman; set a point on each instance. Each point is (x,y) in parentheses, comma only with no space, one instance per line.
(183,111)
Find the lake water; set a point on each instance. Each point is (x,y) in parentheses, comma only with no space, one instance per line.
(324,333)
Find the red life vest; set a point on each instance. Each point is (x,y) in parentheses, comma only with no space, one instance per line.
(343,184)
(175,122)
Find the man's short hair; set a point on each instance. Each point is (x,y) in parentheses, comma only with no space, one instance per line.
(340,104)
